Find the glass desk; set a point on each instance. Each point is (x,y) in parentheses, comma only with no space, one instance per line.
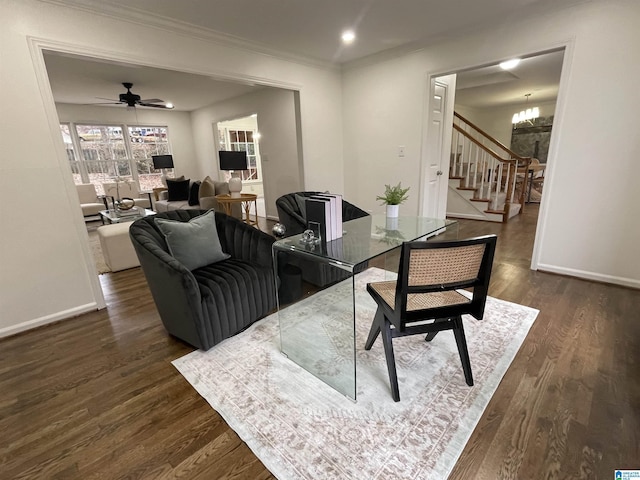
(317,292)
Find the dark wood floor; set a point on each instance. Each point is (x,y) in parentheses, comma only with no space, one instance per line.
(96,396)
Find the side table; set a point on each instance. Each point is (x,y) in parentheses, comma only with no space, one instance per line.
(244,199)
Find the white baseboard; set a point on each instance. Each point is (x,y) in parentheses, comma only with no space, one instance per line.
(469,216)
(38,322)
(597,277)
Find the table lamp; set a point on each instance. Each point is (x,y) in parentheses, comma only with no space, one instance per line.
(162,162)
(235,162)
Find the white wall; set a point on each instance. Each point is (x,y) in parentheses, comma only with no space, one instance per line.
(178,123)
(281,168)
(587,221)
(47,271)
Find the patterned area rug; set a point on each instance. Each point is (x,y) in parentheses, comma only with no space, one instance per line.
(302,429)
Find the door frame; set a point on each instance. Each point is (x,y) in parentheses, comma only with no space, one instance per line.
(445,141)
(568,46)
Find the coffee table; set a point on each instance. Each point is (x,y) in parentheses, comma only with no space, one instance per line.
(319,332)
(116,216)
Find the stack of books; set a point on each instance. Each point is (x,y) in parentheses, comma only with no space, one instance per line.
(324,216)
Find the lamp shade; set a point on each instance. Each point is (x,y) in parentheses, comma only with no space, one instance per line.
(233,160)
(162,161)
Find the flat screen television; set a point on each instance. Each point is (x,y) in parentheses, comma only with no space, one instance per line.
(233,160)
(162,161)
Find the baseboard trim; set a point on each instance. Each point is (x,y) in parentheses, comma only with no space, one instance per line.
(596,277)
(469,216)
(38,322)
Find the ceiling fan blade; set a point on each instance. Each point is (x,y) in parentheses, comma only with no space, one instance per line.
(110,99)
(151,100)
(152,105)
(103,103)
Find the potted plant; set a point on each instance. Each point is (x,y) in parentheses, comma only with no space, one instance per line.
(393,197)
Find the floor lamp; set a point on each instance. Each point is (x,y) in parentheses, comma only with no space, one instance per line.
(234,162)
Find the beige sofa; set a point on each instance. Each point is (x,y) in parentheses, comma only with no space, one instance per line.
(209,188)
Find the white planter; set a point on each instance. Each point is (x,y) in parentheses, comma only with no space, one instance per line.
(392,211)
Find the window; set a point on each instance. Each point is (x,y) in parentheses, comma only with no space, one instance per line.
(145,142)
(237,140)
(100,153)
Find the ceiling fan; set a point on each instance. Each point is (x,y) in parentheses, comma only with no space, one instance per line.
(132,100)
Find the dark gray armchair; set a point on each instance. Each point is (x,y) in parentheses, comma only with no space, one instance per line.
(291,216)
(204,306)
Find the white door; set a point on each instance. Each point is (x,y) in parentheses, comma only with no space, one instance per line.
(437,145)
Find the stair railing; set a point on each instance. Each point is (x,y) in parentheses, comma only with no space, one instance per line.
(486,165)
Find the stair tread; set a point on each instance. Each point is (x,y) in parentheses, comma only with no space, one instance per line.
(467,188)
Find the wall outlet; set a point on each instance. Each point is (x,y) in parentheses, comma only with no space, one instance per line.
(401,151)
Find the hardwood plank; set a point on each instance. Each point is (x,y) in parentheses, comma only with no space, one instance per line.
(96,396)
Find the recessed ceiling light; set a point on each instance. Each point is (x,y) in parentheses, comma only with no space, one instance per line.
(509,64)
(348,37)
(169,105)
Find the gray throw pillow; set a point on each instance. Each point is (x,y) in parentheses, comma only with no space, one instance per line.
(194,243)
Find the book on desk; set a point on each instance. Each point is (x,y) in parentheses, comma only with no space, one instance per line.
(325,211)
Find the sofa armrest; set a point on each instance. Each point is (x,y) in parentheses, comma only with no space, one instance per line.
(207,203)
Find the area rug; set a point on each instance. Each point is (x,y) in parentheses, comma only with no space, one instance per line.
(96,250)
(300,428)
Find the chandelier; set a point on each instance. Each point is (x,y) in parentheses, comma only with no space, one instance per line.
(526,115)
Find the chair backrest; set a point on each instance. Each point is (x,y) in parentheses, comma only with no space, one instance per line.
(87,193)
(126,189)
(291,217)
(428,267)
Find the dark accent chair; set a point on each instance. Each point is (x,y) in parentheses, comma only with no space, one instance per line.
(428,277)
(290,216)
(204,306)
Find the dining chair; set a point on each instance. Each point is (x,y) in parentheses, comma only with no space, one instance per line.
(427,298)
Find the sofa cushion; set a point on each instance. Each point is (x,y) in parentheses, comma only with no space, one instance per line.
(193,193)
(178,189)
(194,243)
(222,188)
(207,188)
(165,178)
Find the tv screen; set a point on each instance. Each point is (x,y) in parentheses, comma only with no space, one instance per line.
(162,161)
(233,160)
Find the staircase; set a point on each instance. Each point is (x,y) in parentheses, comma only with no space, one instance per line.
(486,179)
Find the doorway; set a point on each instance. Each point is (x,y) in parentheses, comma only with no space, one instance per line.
(489,96)
(242,135)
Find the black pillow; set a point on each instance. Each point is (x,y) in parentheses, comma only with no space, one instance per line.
(194,191)
(177,190)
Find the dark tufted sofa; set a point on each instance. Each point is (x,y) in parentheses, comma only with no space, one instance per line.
(204,306)
(290,216)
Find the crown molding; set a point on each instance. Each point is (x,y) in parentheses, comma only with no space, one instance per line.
(143,18)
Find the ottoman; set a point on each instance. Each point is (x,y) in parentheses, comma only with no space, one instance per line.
(117,248)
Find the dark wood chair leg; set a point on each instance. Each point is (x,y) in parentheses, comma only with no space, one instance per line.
(378,320)
(391,360)
(461,341)
(432,335)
